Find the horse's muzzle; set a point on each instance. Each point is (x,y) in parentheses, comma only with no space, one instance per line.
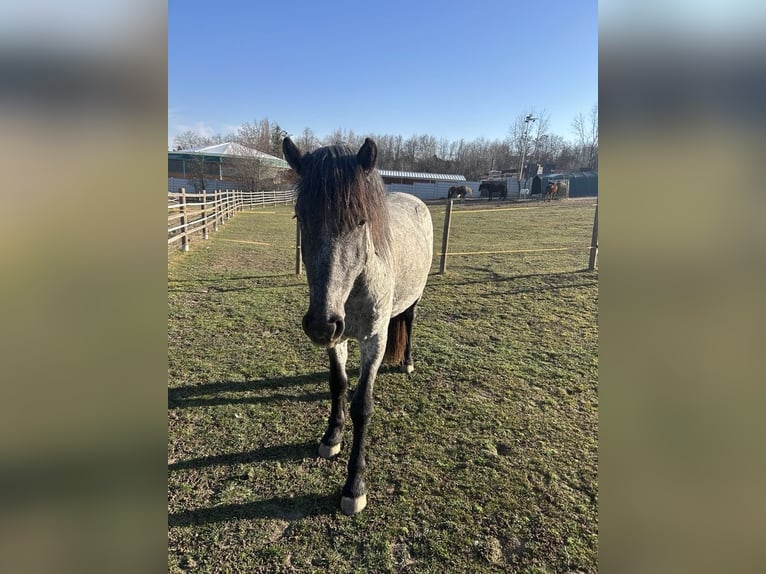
(323,331)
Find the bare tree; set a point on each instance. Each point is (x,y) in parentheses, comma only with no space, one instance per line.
(344,137)
(276,137)
(443,149)
(586,134)
(190,140)
(526,135)
(256,135)
(529,139)
(548,148)
(249,171)
(196,171)
(307,140)
(568,157)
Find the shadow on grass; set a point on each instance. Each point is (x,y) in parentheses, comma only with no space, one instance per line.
(204,285)
(492,277)
(210,394)
(272,398)
(540,289)
(286,508)
(216,279)
(282,452)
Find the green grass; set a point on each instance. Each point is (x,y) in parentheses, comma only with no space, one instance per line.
(484,460)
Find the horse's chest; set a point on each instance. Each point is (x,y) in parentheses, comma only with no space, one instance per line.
(365,311)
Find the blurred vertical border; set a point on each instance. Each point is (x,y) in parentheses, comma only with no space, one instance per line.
(682,92)
(83,144)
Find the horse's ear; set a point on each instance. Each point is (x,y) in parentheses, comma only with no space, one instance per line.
(292,154)
(367,155)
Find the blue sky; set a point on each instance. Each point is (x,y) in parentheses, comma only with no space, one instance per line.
(443,68)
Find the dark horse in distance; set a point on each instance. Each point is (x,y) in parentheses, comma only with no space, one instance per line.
(498,188)
(459,191)
(367,255)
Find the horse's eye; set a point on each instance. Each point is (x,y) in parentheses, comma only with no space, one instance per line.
(361,223)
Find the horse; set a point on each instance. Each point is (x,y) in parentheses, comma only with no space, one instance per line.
(459,191)
(551,190)
(494,187)
(367,255)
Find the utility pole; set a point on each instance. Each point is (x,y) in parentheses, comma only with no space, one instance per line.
(527,120)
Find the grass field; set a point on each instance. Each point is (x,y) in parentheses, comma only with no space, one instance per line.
(484,460)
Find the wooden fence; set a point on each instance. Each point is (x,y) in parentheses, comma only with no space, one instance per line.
(192,214)
(198,214)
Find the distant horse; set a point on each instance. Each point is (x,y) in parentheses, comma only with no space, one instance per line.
(367,255)
(494,187)
(551,190)
(459,191)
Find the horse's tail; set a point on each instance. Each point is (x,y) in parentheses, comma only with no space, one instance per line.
(397,340)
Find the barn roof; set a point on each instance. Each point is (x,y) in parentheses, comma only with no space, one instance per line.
(569,175)
(233,149)
(421,175)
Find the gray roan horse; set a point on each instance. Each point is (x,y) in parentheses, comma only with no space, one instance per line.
(367,255)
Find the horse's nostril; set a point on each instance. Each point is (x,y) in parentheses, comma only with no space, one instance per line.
(337,322)
(323,330)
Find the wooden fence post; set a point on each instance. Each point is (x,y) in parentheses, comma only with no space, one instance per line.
(204,214)
(298,266)
(184,235)
(593,242)
(445,237)
(215,210)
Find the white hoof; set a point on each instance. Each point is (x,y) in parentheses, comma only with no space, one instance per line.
(351,506)
(407,369)
(328,451)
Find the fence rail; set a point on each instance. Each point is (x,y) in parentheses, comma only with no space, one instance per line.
(592,250)
(192,214)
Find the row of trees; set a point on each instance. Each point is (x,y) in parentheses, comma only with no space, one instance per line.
(527,138)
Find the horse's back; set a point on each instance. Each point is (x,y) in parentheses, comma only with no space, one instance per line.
(412,239)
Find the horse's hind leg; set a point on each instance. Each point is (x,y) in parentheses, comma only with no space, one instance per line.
(330,445)
(409,318)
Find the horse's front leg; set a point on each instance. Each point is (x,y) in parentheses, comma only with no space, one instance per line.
(354,496)
(330,445)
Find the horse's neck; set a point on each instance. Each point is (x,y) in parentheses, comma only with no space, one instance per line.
(379,263)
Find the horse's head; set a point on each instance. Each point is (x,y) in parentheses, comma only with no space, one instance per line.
(343,218)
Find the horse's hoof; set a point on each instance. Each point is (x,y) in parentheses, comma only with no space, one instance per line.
(408,369)
(351,506)
(328,451)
